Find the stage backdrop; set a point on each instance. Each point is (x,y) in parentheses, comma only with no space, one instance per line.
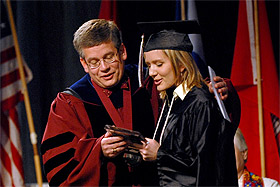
(45,32)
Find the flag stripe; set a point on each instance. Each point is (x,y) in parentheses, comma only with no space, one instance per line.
(6,160)
(4,124)
(251,29)
(8,67)
(6,179)
(6,43)
(11,101)
(10,78)
(11,90)
(11,148)
(14,129)
(16,157)
(8,54)
(17,169)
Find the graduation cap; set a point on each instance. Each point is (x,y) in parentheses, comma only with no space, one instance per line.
(165,35)
(169,34)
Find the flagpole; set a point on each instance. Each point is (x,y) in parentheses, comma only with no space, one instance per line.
(259,88)
(33,136)
(183,14)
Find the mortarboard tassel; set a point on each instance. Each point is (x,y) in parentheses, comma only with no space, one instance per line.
(140,63)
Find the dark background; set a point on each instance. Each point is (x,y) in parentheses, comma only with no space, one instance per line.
(45,32)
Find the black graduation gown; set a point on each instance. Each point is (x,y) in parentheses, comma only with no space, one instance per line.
(197,144)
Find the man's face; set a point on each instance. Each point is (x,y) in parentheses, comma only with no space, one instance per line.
(107,75)
(240,157)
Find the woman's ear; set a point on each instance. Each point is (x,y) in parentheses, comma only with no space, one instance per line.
(182,69)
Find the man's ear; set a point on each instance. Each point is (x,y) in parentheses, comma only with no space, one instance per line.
(123,53)
(84,64)
(245,155)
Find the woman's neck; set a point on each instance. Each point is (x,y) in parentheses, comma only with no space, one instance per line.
(169,92)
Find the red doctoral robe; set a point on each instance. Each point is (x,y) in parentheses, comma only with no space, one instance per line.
(71,147)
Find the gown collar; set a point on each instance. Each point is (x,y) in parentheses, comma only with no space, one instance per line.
(180,91)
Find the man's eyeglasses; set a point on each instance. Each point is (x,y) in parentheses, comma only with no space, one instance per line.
(93,64)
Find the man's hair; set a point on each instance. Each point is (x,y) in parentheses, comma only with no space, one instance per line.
(239,140)
(191,76)
(96,32)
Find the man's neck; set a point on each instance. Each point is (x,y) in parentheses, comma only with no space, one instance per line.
(240,173)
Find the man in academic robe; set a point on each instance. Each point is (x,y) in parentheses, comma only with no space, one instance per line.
(76,148)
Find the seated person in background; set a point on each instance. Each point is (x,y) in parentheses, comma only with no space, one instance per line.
(246,178)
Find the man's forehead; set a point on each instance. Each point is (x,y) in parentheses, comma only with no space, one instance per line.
(100,50)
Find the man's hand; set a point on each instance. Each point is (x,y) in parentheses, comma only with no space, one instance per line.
(112,145)
(222,87)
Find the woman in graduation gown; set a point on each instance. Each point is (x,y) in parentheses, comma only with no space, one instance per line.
(192,143)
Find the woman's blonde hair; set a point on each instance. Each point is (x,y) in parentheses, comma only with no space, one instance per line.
(190,76)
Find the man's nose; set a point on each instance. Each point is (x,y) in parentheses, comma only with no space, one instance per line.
(103,65)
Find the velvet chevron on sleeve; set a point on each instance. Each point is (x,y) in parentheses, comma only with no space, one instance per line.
(62,142)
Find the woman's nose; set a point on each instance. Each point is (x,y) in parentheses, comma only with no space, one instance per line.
(152,71)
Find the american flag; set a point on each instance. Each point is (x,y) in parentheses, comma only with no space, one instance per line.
(11,168)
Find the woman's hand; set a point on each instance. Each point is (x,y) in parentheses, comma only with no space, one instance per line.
(149,150)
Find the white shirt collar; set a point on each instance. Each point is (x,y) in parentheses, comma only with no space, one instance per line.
(179,91)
